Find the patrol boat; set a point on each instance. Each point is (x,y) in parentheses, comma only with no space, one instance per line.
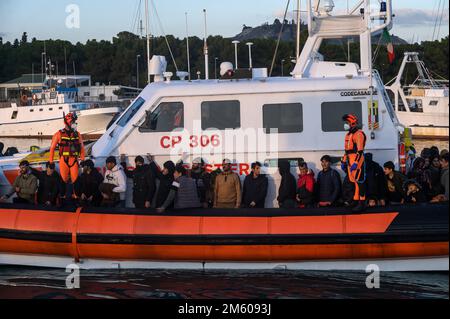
(423,105)
(246,119)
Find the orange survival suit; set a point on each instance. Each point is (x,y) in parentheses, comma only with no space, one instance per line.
(353,160)
(71,149)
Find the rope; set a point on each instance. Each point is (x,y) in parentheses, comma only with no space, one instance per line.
(279,38)
(165,37)
(377,50)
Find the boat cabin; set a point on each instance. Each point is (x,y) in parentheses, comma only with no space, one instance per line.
(262,118)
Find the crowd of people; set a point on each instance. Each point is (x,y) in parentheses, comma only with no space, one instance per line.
(174,186)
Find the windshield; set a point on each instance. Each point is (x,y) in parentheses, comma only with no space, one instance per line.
(131,111)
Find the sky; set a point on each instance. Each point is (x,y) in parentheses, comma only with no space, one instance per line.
(103,19)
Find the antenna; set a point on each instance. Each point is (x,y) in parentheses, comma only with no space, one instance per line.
(236,42)
(148,41)
(206,50)
(187,47)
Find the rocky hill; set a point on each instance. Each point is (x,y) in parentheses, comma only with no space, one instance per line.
(271,31)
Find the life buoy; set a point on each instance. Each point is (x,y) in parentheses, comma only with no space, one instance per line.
(402,157)
(24,99)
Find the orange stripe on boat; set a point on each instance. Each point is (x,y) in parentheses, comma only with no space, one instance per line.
(63,222)
(263,252)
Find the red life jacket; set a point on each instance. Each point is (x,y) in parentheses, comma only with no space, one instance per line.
(70,145)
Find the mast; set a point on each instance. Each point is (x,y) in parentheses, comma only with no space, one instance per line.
(206,50)
(298,28)
(148,40)
(187,47)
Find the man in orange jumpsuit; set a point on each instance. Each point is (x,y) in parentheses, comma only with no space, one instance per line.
(71,149)
(353,160)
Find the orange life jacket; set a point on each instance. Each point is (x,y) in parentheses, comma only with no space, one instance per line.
(355,142)
(70,144)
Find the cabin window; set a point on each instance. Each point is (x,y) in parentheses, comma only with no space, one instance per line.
(286,118)
(433,103)
(167,117)
(130,112)
(332,113)
(221,115)
(14,115)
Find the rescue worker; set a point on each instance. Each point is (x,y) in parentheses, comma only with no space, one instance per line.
(71,149)
(353,160)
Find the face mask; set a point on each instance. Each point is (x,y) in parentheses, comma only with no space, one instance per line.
(347,127)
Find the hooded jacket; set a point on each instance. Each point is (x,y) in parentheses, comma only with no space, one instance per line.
(288,186)
(375,180)
(144,185)
(88,184)
(116,177)
(165,182)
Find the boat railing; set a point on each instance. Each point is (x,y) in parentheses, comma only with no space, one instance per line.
(385,96)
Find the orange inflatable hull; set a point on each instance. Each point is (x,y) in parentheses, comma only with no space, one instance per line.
(242,236)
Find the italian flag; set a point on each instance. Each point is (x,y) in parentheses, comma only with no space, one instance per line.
(390,46)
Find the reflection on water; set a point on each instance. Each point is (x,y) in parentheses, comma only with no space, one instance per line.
(22,282)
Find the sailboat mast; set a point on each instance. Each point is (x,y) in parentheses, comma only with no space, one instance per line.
(298,28)
(148,40)
(206,49)
(187,47)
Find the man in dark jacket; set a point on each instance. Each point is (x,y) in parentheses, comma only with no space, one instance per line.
(165,177)
(394,184)
(255,188)
(144,184)
(49,185)
(202,179)
(328,184)
(288,186)
(88,184)
(375,183)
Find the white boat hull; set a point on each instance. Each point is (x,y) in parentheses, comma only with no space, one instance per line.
(91,122)
(425,125)
(438,263)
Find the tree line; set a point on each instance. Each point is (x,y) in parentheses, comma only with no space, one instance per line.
(116,61)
